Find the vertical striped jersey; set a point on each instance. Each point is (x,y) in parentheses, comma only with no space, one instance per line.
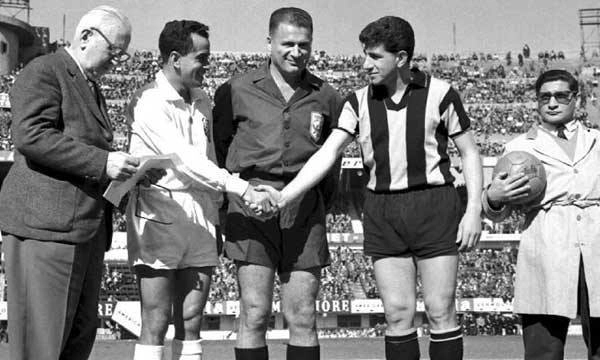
(404,145)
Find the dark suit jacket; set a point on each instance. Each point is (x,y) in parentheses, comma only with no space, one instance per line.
(62,138)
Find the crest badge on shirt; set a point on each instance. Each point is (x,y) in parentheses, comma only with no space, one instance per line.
(316,125)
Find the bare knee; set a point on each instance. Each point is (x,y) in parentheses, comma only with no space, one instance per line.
(441,312)
(190,323)
(399,315)
(155,322)
(192,311)
(255,317)
(301,317)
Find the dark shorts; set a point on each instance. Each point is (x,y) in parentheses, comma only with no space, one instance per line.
(294,239)
(417,223)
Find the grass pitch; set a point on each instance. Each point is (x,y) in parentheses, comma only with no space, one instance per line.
(476,348)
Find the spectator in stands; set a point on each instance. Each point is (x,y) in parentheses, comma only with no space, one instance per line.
(399,202)
(562,228)
(57,223)
(526,51)
(171,228)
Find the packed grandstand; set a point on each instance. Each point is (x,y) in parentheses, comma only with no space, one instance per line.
(499,96)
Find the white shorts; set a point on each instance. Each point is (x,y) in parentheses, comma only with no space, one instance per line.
(169,231)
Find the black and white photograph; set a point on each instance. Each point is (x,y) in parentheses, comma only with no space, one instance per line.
(299,180)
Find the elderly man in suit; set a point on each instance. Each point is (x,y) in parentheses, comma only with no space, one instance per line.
(55,222)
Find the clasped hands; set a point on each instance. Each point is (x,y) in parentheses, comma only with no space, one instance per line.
(264,200)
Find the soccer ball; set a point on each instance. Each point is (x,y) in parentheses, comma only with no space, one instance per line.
(522,161)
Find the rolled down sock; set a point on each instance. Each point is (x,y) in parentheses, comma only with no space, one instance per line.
(303,352)
(148,352)
(446,344)
(186,349)
(403,346)
(261,353)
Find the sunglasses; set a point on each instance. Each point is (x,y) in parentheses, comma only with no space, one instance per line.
(117,54)
(562,97)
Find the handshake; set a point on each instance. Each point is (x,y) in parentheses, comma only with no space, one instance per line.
(264,200)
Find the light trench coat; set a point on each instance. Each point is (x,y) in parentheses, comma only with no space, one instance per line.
(561,229)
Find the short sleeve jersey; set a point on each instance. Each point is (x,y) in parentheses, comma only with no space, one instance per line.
(404,145)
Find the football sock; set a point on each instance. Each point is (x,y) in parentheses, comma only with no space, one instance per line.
(261,353)
(186,349)
(303,352)
(446,344)
(148,352)
(405,347)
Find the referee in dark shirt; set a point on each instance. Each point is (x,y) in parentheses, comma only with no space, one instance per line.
(412,215)
(267,124)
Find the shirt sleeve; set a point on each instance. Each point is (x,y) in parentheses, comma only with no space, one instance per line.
(223,123)
(348,118)
(453,113)
(496,215)
(155,127)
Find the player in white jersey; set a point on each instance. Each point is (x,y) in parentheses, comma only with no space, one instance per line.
(171,231)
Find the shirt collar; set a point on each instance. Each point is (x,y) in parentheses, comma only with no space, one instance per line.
(570,128)
(70,52)
(169,91)
(418,79)
(264,72)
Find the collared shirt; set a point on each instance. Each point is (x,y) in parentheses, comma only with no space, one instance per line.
(405,145)
(569,129)
(258,134)
(163,123)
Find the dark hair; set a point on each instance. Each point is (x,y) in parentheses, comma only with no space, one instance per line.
(290,15)
(176,36)
(557,75)
(394,33)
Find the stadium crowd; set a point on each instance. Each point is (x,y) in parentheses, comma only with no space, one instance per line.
(499,98)
(487,273)
(493,323)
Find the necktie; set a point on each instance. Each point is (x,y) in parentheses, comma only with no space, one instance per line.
(560,132)
(94,89)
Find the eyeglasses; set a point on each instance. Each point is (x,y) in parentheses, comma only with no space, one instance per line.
(562,97)
(117,54)
(137,206)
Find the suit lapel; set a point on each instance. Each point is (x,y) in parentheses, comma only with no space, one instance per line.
(585,142)
(102,103)
(545,144)
(85,91)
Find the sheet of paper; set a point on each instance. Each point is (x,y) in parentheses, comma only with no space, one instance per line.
(117,189)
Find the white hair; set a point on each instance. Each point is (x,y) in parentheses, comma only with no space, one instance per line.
(104,17)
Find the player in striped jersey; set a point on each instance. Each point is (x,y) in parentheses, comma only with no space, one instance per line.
(412,214)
